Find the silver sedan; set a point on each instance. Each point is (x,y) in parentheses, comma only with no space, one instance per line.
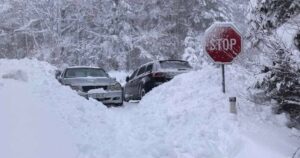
(92,82)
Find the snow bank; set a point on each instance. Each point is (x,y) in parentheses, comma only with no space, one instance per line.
(189,117)
(28,129)
(34,106)
(185,118)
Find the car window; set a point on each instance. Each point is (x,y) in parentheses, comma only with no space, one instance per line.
(133,74)
(149,68)
(142,70)
(85,72)
(169,64)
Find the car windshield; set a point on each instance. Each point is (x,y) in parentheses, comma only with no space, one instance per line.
(174,65)
(85,72)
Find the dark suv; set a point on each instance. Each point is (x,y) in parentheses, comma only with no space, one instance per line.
(152,74)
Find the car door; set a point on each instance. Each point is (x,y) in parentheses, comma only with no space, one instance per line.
(137,81)
(147,77)
(128,86)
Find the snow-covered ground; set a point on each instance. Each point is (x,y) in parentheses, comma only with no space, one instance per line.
(187,117)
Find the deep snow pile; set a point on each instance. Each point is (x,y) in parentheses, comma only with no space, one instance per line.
(27,128)
(185,118)
(189,117)
(28,91)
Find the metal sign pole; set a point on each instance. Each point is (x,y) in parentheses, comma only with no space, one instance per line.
(223,43)
(223,78)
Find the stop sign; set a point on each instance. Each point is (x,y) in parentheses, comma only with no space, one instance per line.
(223,42)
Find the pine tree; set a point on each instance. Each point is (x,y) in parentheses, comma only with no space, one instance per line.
(282,84)
(268,15)
(297,40)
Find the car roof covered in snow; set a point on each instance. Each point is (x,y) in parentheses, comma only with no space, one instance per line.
(172,60)
(91,67)
(87,67)
(158,61)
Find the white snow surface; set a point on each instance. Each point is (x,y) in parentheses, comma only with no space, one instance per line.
(288,31)
(120,76)
(187,117)
(99,90)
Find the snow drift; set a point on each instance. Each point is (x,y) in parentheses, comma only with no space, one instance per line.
(187,117)
(193,117)
(27,128)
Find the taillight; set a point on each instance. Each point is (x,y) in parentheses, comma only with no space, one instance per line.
(157,74)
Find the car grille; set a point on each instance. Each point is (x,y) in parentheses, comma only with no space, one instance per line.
(88,88)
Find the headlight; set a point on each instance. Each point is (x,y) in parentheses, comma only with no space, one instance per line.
(115,87)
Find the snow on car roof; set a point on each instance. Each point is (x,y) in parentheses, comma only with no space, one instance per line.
(92,67)
(159,61)
(163,61)
(172,60)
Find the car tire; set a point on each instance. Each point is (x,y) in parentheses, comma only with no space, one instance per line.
(125,98)
(124,95)
(142,92)
(120,104)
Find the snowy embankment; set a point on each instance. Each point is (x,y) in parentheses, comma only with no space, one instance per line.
(193,117)
(186,118)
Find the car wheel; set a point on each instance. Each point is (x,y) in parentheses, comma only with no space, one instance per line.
(120,104)
(124,96)
(142,92)
(126,99)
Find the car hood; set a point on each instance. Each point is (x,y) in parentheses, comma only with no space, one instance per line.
(89,81)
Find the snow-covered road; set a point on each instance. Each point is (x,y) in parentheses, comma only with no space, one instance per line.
(185,118)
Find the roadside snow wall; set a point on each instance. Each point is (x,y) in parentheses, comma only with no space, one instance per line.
(187,117)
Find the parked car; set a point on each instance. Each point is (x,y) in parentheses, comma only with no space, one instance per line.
(92,82)
(152,74)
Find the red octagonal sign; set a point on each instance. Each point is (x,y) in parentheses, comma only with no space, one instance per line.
(223,42)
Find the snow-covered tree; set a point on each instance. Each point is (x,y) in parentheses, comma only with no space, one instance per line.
(282,81)
(104,32)
(268,15)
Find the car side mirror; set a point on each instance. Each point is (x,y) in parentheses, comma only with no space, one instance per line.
(127,78)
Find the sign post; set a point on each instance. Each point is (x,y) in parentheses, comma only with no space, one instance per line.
(223,79)
(223,43)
